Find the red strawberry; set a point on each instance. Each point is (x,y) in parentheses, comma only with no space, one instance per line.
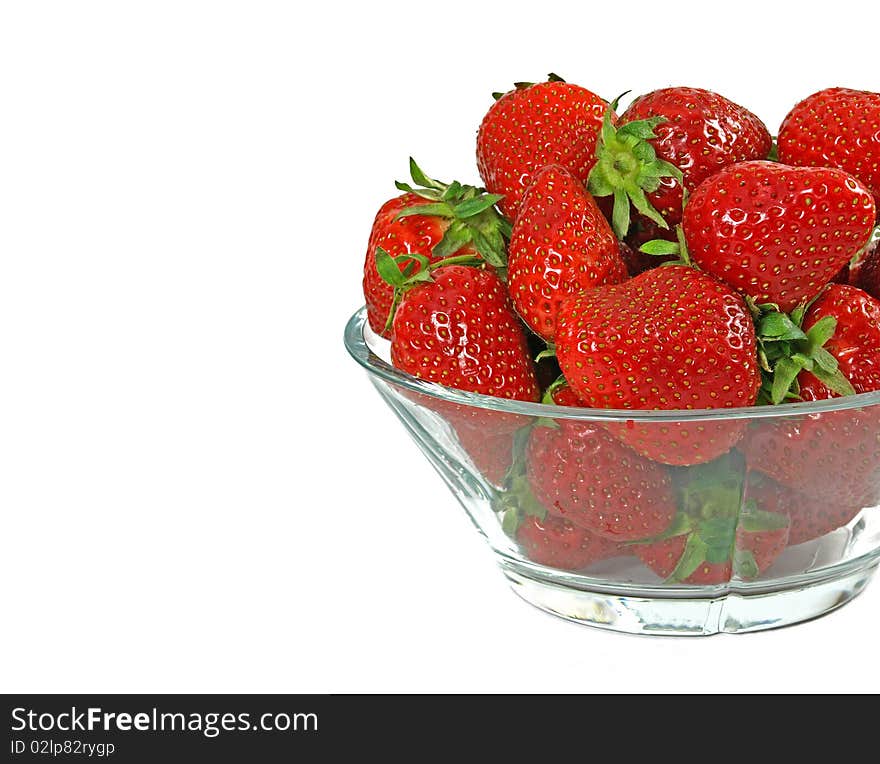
(716,534)
(832,457)
(809,518)
(582,474)
(776,233)
(558,543)
(671,338)
(667,138)
(432,220)
(458,329)
(837,127)
(854,344)
(561,244)
(489,443)
(533,126)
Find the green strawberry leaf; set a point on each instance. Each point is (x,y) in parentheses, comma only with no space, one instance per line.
(440,210)
(745,565)
(660,247)
(420,179)
(475,206)
(388,269)
(692,557)
(834,381)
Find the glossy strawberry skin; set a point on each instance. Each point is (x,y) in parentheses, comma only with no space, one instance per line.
(460,330)
(703,133)
(558,543)
(776,233)
(417,234)
(582,474)
(671,338)
(561,244)
(836,127)
(532,127)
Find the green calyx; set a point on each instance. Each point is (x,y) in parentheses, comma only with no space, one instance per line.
(517,499)
(523,85)
(403,272)
(627,168)
(677,249)
(475,220)
(711,510)
(785,350)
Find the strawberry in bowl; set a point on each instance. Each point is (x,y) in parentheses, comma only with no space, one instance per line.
(644,357)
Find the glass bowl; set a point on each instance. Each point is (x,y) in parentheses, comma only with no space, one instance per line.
(783,528)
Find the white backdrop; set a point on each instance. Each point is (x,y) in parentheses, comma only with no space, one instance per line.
(199,491)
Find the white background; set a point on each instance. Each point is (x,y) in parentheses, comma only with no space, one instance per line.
(199,490)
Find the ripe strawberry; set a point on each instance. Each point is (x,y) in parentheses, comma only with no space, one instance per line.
(533,126)
(561,244)
(837,127)
(432,220)
(668,139)
(582,474)
(855,343)
(557,543)
(458,329)
(716,534)
(488,441)
(671,338)
(776,233)
(809,518)
(833,457)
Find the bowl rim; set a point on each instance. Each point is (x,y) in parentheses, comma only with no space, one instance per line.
(359,349)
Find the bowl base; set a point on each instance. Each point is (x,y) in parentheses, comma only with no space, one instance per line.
(734,610)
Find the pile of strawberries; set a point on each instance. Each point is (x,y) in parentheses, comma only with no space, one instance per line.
(673,257)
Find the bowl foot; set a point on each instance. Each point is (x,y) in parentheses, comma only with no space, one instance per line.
(733,610)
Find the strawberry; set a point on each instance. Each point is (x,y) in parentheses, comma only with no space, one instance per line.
(671,338)
(809,518)
(457,328)
(432,220)
(557,543)
(854,344)
(533,126)
(836,127)
(545,538)
(561,244)
(488,441)
(668,141)
(778,234)
(582,474)
(833,456)
(716,534)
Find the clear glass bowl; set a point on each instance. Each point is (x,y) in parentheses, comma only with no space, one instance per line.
(812,470)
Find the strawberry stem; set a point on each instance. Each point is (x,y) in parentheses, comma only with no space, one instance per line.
(785,350)
(627,168)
